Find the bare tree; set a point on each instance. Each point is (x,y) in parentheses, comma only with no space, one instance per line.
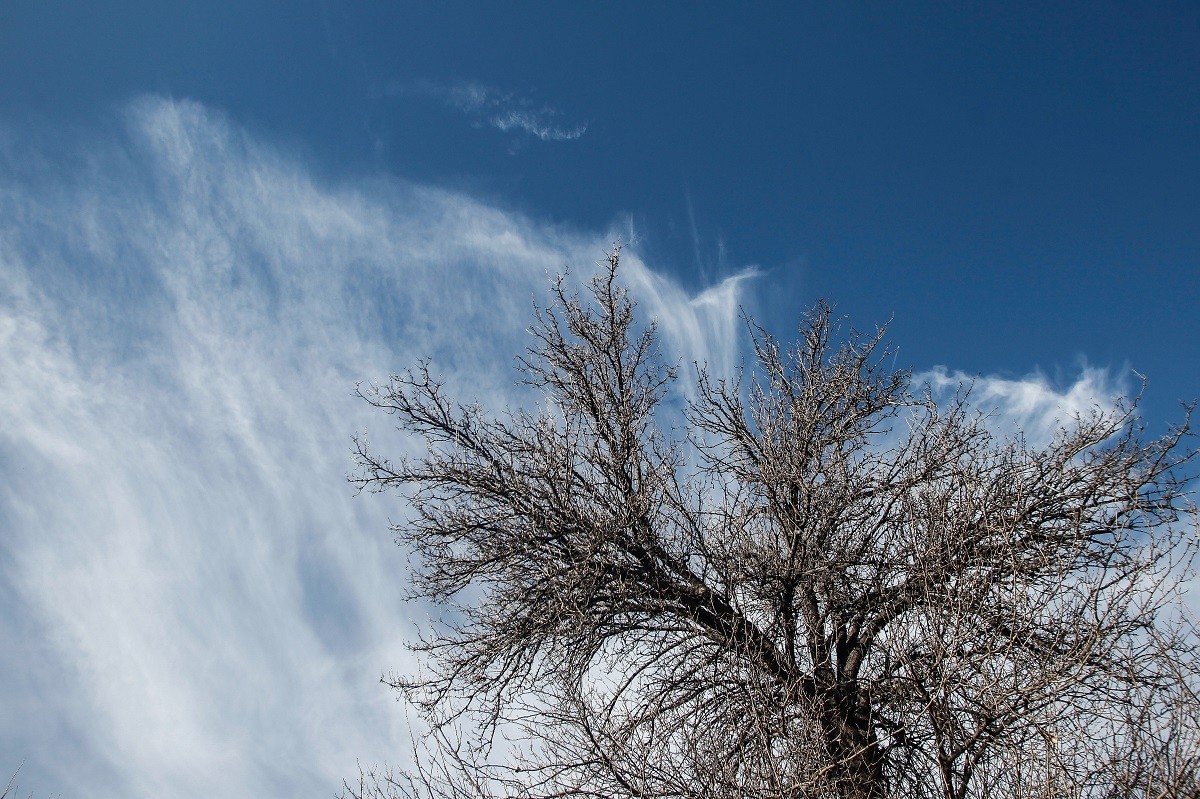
(826,585)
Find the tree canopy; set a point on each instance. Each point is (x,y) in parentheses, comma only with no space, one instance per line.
(823,583)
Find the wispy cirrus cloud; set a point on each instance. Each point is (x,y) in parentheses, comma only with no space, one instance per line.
(1031,404)
(694,324)
(192,601)
(504,110)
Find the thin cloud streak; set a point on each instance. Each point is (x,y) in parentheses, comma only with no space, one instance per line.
(505,111)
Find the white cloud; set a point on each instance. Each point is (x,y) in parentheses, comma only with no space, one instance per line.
(505,111)
(1030,404)
(703,329)
(192,602)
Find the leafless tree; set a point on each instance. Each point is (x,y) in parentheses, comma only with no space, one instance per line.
(822,583)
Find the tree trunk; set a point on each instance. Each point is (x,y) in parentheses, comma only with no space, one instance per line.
(853,748)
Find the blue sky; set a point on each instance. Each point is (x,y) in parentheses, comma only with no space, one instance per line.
(214,218)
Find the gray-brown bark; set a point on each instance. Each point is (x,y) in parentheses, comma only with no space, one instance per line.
(830,586)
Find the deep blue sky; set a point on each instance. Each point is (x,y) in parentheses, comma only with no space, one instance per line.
(1017,184)
(215,217)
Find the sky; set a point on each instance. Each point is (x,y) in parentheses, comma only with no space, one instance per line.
(215,218)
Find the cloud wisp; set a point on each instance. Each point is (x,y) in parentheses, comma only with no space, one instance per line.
(1030,404)
(502,110)
(192,601)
